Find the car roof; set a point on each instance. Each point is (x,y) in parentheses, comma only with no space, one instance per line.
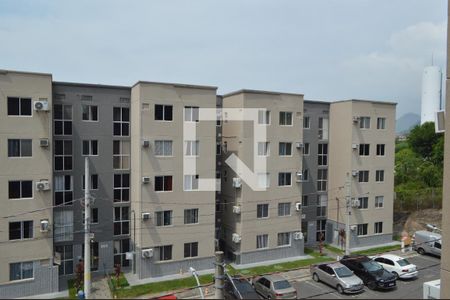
(336,265)
(356,258)
(428,233)
(274,278)
(391,257)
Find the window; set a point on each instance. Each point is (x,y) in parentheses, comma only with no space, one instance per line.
(191,148)
(121,220)
(263,180)
(262,211)
(306,149)
(19,148)
(305,200)
(322,178)
(94,216)
(218,149)
(285,149)
(63,224)
(66,266)
(323,128)
(163,148)
(284,179)
(63,155)
(62,116)
(164,218)
(90,148)
(306,122)
(219,117)
(378,227)
(305,175)
(364,149)
(121,187)
(363,176)
(93,183)
(321,211)
(322,157)
(19,106)
(191,114)
(121,121)
(320,230)
(191,249)
(363,202)
(163,183)
(285,118)
(305,231)
(379,175)
(364,122)
(191,216)
(63,190)
(381,123)
(20,189)
(165,252)
(121,247)
(284,209)
(262,241)
(163,112)
(190,182)
(380,149)
(263,149)
(379,201)
(21,270)
(284,239)
(362,229)
(264,117)
(121,155)
(90,112)
(20,230)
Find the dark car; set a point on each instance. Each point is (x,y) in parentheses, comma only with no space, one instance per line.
(239,288)
(372,273)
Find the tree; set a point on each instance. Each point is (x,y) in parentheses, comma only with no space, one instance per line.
(422,138)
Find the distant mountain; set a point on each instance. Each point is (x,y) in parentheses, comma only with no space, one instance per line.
(406,122)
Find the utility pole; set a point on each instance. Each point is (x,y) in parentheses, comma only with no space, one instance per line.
(348,212)
(87,231)
(219,275)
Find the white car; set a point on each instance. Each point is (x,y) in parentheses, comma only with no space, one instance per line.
(397,265)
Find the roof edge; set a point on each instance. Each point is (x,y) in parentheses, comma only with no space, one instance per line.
(250,91)
(365,100)
(97,85)
(4,71)
(184,85)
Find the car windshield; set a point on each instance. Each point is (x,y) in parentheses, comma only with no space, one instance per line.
(343,272)
(371,266)
(243,285)
(281,285)
(403,262)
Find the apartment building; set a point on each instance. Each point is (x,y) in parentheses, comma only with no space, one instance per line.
(175,216)
(26,239)
(91,121)
(315,170)
(262,223)
(361,157)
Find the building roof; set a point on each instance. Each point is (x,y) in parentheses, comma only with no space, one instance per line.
(206,87)
(316,101)
(93,85)
(248,91)
(365,100)
(3,71)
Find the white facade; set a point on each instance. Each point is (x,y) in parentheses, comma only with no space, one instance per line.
(431,93)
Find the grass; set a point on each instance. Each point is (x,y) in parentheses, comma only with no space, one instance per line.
(158,287)
(72,289)
(377,250)
(334,249)
(121,283)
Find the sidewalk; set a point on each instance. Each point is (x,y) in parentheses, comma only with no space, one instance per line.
(100,289)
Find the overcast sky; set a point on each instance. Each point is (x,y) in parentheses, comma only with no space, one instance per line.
(325,49)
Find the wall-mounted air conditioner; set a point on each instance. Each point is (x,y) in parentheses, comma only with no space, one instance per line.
(145,216)
(237,182)
(299,176)
(355,202)
(355,146)
(147,253)
(145,143)
(236,238)
(355,173)
(44,142)
(41,105)
(353,227)
(298,206)
(355,119)
(237,209)
(299,145)
(145,180)
(42,185)
(298,235)
(44,225)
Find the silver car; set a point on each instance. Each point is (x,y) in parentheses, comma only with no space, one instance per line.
(274,287)
(338,276)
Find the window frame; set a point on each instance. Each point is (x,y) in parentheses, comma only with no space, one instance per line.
(163,190)
(21,271)
(20,190)
(163,147)
(377,202)
(121,123)
(191,148)
(21,147)
(122,156)
(262,241)
(66,181)
(264,147)
(307,119)
(194,111)
(379,176)
(124,178)
(362,229)
(322,154)
(283,176)
(284,209)
(89,112)
(322,181)
(381,125)
(192,249)
(20,115)
(22,230)
(285,114)
(364,150)
(90,148)
(378,227)
(191,214)
(306,146)
(289,238)
(364,121)
(164,107)
(287,146)
(381,148)
(63,119)
(164,218)
(361,177)
(121,219)
(262,211)
(264,117)
(363,200)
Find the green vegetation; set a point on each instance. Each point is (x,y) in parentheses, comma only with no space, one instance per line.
(121,283)
(334,249)
(377,250)
(419,169)
(72,289)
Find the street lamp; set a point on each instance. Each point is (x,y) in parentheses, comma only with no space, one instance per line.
(194,273)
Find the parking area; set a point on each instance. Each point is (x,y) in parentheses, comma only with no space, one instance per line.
(428,267)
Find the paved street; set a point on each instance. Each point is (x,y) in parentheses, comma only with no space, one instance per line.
(406,289)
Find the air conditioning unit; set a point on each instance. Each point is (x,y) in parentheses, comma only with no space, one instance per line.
(41,105)
(237,209)
(147,253)
(145,216)
(298,235)
(355,119)
(42,185)
(353,227)
(299,176)
(298,206)
(355,146)
(299,145)
(145,143)
(355,173)
(303,216)
(236,238)
(44,142)
(355,202)
(44,225)
(145,179)
(237,182)
(439,125)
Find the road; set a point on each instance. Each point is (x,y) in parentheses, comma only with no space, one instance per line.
(428,267)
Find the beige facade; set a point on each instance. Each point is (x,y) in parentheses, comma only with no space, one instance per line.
(146,197)
(238,138)
(362,146)
(25,124)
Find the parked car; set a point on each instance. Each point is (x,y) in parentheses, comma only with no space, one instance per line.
(237,287)
(427,242)
(274,287)
(372,273)
(338,276)
(397,265)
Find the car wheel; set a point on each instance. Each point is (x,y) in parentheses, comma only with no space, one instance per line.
(421,251)
(372,285)
(269,297)
(316,277)
(396,275)
(340,289)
